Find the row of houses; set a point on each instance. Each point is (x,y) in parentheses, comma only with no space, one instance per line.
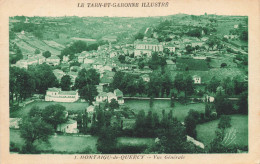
(37,59)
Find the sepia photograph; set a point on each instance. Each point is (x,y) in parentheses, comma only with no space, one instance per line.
(128,85)
(130,81)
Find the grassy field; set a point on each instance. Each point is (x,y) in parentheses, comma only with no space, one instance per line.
(135,141)
(59,142)
(192,64)
(76,106)
(238,133)
(179,111)
(68,143)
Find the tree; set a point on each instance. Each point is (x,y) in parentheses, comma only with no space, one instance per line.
(44,77)
(213,85)
(166,84)
(65,83)
(220,142)
(190,123)
(46,54)
(118,81)
(141,64)
(140,124)
(178,82)
(54,114)
(113,104)
(172,139)
(189,49)
(34,129)
(139,36)
(106,142)
(37,51)
(151,101)
(222,104)
(35,111)
(22,84)
(212,41)
(85,83)
(89,92)
(154,85)
(224,122)
(244,35)
(121,58)
(228,86)
(243,103)
(188,85)
(223,65)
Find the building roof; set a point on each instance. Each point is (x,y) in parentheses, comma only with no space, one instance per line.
(118,93)
(90,108)
(54,89)
(110,94)
(54,57)
(70,121)
(154,41)
(102,94)
(106,79)
(32,59)
(68,92)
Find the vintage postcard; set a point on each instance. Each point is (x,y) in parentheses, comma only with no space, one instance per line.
(91,81)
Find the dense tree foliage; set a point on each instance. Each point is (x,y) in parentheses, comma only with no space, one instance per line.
(34,128)
(65,83)
(54,114)
(77,47)
(85,83)
(184,83)
(46,54)
(22,84)
(17,53)
(190,123)
(44,77)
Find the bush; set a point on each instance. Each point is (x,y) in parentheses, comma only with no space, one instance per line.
(13,147)
(223,65)
(213,116)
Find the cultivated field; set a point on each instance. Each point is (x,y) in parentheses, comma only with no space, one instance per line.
(236,135)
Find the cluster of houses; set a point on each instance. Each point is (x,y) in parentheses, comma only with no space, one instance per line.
(37,59)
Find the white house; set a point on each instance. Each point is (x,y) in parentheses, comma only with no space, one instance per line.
(111,96)
(210,98)
(171,47)
(81,58)
(196,79)
(68,127)
(22,64)
(146,47)
(119,96)
(65,58)
(88,61)
(101,97)
(113,54)
(145,77)
(41,59)
(32,61)
(15,123)
(55,94)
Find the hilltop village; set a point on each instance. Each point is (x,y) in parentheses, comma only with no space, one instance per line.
(173,84)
